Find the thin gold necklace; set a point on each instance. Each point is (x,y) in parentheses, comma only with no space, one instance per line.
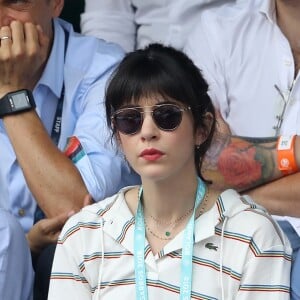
(161,222)
(168,233)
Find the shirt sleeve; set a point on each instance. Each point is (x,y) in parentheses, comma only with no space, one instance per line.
(16,273)
(112,21)
(99,161)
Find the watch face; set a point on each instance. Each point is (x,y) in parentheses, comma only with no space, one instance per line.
(19,101)
(16,102)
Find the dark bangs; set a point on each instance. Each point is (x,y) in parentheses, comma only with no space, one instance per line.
(144,74)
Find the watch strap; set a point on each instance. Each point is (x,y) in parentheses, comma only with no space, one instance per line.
(9,103)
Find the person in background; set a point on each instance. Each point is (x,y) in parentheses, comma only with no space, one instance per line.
(16,272)
(71,12)
(53,137)
(174,236)
(134,24)
(252,69)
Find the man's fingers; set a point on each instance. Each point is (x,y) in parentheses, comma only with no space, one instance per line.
(54,224)
(17,33)
(5,40)
(31,36)
(43,38)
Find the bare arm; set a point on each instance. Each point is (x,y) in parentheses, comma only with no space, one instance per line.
(250,166)
(52,178)
(280,197)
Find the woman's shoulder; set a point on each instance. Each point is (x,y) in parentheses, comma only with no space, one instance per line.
(249,218)
(108,205)
(97,212)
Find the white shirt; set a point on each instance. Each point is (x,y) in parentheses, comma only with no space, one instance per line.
(96,249)
(136,23)
(243,54)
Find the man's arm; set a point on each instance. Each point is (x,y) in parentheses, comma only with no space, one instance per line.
(250,166)
(280,197)
(52,178)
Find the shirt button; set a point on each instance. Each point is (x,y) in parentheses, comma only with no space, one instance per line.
(21,212)
(288,63)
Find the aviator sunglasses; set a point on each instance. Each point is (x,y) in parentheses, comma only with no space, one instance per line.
(166,117)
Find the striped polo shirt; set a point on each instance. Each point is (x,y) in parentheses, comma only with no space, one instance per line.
(239,252)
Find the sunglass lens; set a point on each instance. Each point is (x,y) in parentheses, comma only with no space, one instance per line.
(128,121)
(167,117)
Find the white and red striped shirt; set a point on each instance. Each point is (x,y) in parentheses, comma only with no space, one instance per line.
(95,250)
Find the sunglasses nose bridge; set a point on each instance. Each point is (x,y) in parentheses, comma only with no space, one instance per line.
(148,124)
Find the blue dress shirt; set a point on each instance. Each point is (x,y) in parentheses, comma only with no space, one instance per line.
(83,69)
(16,273)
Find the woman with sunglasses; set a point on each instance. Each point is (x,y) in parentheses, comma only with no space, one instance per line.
(173,236)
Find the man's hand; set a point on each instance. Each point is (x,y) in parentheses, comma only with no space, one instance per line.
(22,56)
(46,231)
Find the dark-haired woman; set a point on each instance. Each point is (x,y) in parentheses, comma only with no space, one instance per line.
(174,236)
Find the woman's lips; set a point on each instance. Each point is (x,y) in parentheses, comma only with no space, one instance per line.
(151,154)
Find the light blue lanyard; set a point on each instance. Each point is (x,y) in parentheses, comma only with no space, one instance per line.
(187,250)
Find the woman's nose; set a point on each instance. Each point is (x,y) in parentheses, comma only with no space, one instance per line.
(149,129)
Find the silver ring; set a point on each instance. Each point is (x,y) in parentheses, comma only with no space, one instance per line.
(2,38)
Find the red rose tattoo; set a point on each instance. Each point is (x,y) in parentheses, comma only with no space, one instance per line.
(239,165)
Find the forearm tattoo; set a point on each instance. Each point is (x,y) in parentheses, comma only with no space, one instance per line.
(240,162)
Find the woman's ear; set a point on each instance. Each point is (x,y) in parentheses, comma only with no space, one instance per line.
(202,133)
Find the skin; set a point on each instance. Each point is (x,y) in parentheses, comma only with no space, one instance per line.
(29,24)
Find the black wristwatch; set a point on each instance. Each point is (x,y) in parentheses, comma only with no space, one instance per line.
(16,102)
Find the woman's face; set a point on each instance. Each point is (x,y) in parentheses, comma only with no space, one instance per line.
(156,154)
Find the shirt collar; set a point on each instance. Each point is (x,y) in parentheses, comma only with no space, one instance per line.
(268,8)
(53,74)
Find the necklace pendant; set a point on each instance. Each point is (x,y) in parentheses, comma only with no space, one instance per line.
(167,233)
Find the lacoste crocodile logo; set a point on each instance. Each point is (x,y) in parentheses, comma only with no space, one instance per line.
(211,246)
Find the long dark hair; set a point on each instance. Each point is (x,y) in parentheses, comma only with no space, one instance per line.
(164,71)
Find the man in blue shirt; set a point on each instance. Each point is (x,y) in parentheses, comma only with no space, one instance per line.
(55,147)
(58,66)
(15,260)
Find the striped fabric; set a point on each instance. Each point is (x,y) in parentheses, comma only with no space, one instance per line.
(95,251)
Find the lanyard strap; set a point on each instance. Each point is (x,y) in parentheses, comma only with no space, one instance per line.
(56,129)
(187,250)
